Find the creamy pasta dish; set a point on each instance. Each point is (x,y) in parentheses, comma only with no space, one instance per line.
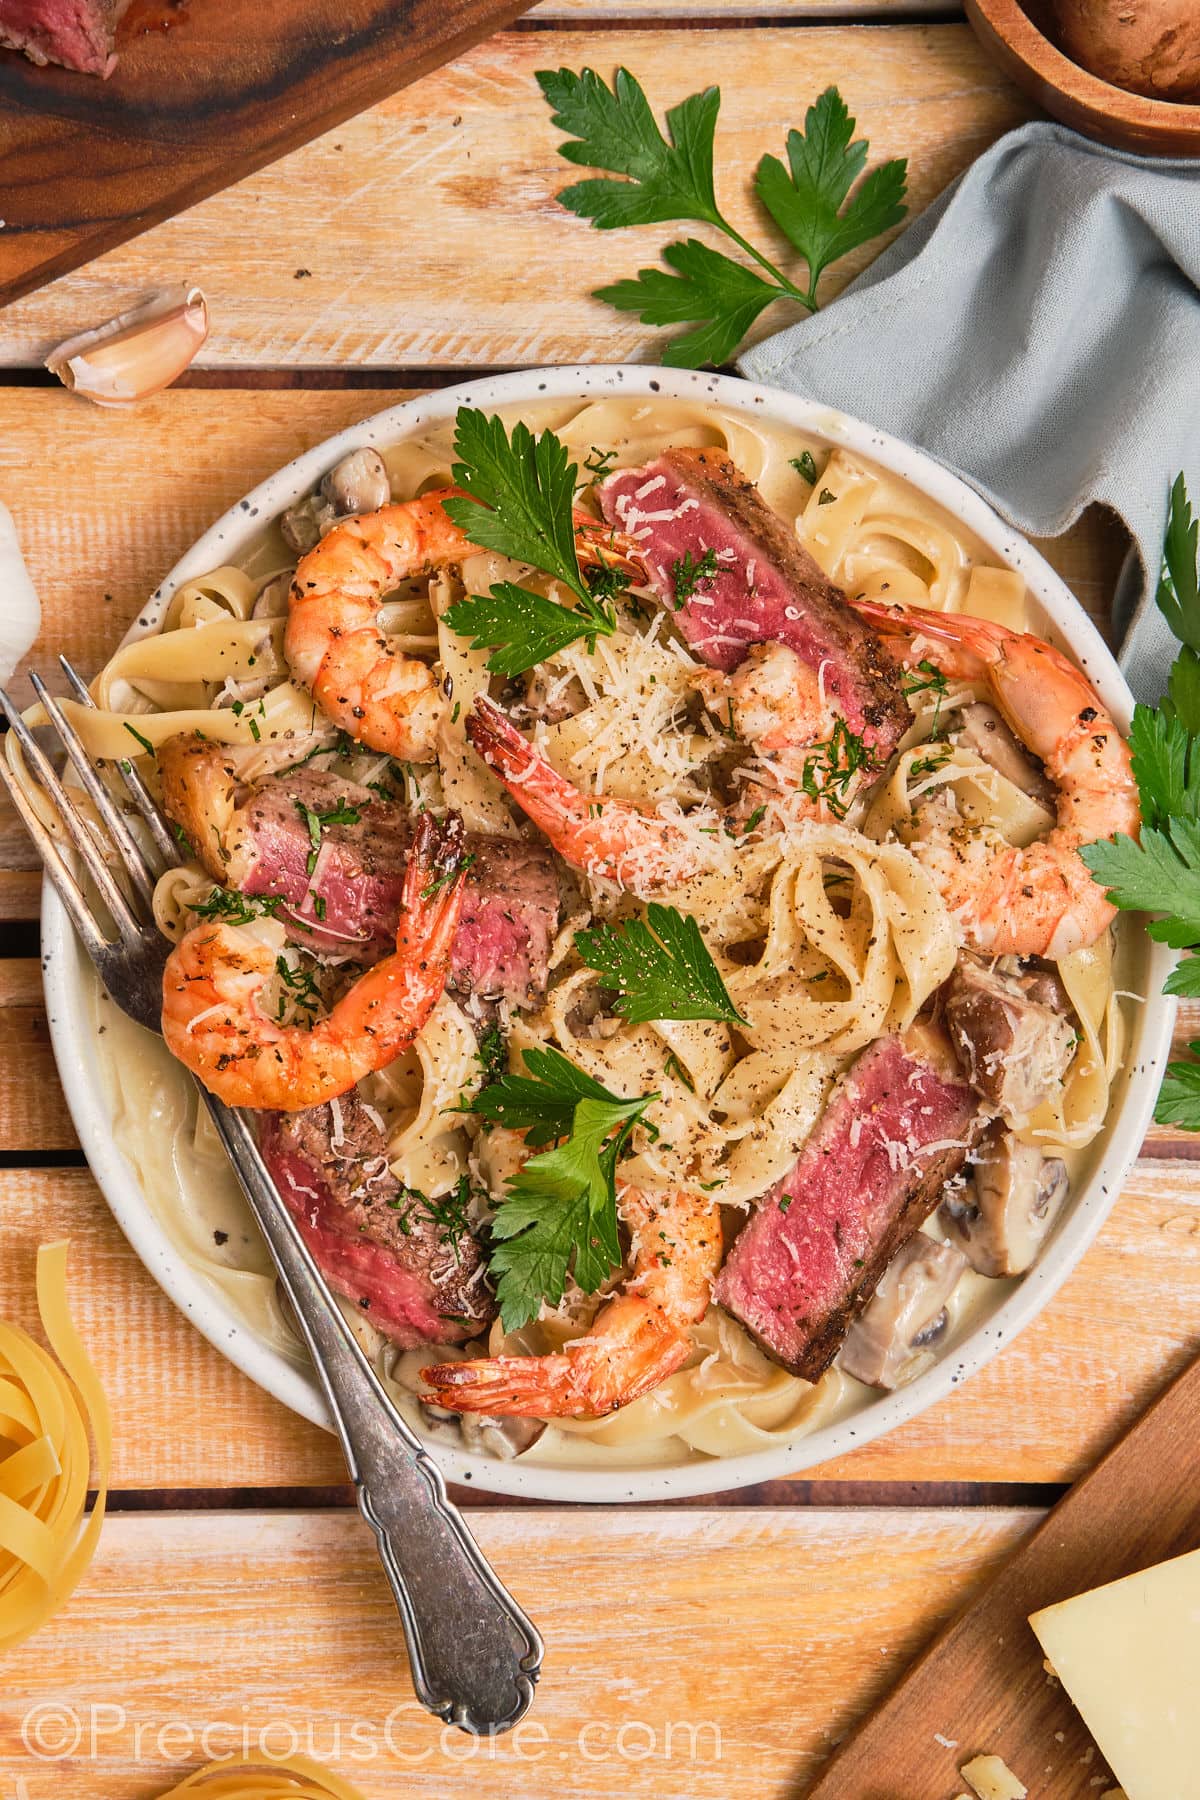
(628,863)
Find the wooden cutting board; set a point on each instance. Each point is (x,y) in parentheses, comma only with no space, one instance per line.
(982,1685)
(232,85)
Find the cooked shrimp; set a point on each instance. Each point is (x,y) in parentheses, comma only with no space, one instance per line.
(616,839)
(333,642)
(1040,900)
(779,706)
(637,1339)
(199,793)
(212,1020)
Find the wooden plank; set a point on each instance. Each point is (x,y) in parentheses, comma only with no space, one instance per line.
(665,1673)
(1040,1412)
(628,13)
(428,226)
(89,164)
(33,1110)
(984,1678)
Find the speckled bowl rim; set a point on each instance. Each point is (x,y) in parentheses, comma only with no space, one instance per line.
(73,1037)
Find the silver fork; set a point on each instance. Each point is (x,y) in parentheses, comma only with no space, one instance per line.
(475,1656)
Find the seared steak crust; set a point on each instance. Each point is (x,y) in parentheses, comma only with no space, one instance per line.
(79,34)
(768,588)
(418,1280)
(898,1126)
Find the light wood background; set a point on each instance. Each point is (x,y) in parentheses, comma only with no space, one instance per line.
(735,1640)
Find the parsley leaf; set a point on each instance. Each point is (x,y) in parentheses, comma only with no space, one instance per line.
(519,502)
(661,966)
(808,200)
(725,295)
(1179,1098)
(559,1213)
(1178,593)
(1159,875)
(525,627)
(667,177)
(1166,764)
(542,1103)
(518,495)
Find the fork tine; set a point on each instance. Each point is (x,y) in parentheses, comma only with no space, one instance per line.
(164,842)
(133,856)
(94,942)
(80,836)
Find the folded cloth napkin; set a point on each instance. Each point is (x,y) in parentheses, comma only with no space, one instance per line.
(1038,329)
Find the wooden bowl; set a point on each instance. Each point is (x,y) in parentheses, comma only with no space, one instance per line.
(1070,93)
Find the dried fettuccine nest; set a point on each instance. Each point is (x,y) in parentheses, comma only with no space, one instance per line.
(260,1779)
(47,1408)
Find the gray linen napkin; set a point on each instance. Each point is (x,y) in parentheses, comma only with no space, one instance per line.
(1037,329)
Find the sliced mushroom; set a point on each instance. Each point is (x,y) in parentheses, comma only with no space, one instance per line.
(1002,1215)
(889,1343)
(504,1439)
(358,484)
(985,732)
(1014,1048)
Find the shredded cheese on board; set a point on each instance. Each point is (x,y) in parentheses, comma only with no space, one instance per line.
(46,1410)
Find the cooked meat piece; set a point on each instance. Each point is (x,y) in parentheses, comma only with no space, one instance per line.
(79,34)
(767,589)
(1002,1215)
(349,900)
(887,1345)
(419,1280)
(984,731)
(898,1125)
(1015,1049)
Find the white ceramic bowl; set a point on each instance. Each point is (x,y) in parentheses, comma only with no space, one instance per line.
(72,1032)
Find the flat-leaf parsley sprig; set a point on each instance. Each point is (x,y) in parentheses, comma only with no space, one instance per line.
(518,500)
(1161,873)
(661,967)
(559,1214)
(669,178)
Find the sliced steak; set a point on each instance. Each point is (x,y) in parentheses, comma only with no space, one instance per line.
(79,34)
(1013,1033)
(417,1278)
(898,1125)
(349,900)
(767,588)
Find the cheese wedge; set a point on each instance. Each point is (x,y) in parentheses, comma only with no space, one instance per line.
(1129,1656)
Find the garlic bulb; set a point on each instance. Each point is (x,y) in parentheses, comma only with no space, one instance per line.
(20,611)
(136,354)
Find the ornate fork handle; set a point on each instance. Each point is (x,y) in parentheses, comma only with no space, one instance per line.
(475,1656)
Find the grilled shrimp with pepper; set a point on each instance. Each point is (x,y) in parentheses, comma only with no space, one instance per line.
(213,1021)
(1039,900)
(637,1339)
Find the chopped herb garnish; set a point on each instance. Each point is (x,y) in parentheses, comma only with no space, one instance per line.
(301,989)
(805,467)
(448,876)
(235,908)
(826,497)
(673,1066)
(341,814)
(492,1054)
(661,967)
(147,746)
(688,575)
(830,768)
(599,462)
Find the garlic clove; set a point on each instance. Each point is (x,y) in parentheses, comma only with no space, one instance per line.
(138,353)
(20,611)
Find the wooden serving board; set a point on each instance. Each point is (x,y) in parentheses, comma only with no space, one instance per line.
(982,1686)
(232,85)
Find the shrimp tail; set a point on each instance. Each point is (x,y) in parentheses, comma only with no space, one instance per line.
(431,899)
(511,1386)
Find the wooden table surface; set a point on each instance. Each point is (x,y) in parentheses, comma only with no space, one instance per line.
(718,1648)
